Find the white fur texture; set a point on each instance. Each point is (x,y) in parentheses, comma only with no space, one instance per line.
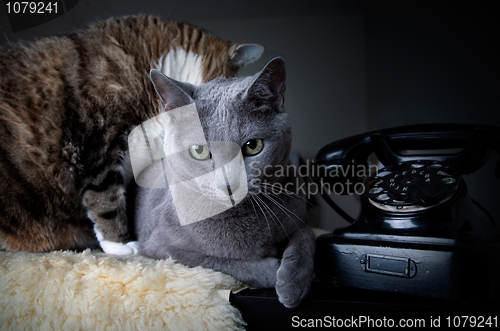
(115,248)
(182,66)
(92,291)
(132,247)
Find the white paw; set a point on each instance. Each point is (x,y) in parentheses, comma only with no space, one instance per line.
(109,247)
(135,246)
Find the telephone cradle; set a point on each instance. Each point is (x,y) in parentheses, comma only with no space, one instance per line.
(418,232)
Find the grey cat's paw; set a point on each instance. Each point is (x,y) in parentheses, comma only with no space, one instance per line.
(293,281)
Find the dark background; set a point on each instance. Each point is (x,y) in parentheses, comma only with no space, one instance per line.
(353,66)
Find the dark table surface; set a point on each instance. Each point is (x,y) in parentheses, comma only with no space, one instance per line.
(330,307)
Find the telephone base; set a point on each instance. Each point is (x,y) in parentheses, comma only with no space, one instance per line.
(435,269)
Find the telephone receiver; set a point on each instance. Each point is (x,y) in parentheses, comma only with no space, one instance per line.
(417,220)
(475,141)
(441,153)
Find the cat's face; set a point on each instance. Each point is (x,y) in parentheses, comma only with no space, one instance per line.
(220,139)
(249,114)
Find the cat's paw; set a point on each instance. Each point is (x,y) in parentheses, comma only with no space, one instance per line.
(293,280)
(114,248)
(135,247)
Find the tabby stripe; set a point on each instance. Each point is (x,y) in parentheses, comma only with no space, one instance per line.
(112,178)
(95,156)
(117,145)
(110,214)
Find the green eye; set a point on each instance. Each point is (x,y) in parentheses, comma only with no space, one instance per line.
(253,147)
(199,152)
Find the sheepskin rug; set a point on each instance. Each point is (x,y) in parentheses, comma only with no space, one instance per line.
(66,290)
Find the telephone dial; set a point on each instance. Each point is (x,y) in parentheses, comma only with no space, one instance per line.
(418,231)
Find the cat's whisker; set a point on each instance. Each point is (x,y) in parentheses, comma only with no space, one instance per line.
(293,195)
(287,192)
(282,206)
(273,214)
(256,214)
(287,211)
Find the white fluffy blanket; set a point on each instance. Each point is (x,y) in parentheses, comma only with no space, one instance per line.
(92,291)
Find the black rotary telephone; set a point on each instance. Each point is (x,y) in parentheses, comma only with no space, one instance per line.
(418,231)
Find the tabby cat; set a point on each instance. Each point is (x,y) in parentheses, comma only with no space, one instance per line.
(219,190)
(67,105)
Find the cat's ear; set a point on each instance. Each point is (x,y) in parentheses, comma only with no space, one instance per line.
(270,84)
(242,54)
(174,94)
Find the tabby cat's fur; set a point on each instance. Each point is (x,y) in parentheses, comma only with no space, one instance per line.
(67,104)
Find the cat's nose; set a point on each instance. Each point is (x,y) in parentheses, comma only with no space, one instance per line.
(228,188)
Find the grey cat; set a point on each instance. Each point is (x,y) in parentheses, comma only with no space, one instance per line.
(259,235)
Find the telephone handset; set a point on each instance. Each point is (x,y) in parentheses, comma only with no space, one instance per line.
(475,140)
(413,181)
(417,221)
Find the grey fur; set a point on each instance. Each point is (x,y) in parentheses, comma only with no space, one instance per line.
(262,241)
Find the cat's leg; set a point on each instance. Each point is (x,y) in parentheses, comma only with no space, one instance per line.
(258,273)
(107,209)
(291,276)
(296,271)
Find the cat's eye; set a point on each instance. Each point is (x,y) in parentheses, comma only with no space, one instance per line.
(253,147)
(199,152)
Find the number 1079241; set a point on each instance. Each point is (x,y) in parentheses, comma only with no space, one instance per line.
(31,7)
